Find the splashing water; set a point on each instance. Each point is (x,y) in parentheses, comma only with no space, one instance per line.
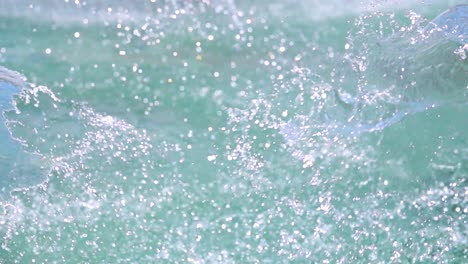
(421,52)
(453,24)
(17,167)
(233,132)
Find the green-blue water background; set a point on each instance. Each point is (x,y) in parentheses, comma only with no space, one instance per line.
(180,132)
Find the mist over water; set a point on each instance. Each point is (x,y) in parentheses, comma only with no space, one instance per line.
(233,132)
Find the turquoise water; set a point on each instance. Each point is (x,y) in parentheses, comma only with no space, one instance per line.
(232,132)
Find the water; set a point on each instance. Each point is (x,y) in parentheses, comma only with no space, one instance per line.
(232,132)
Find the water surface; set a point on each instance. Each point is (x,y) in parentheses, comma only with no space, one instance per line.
(232,132)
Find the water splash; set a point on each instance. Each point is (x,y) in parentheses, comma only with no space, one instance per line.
(167,141)
(452,24)
(396,73)
(18,168)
